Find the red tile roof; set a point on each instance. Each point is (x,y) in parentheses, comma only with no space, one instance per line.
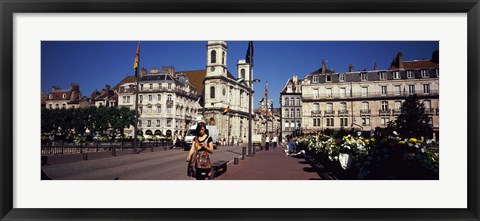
(196,79)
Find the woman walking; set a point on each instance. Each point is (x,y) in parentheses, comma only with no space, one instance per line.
(199,154)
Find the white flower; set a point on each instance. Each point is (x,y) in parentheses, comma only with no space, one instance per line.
(395,133)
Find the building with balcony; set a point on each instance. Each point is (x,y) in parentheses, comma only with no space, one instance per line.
(365,99)
(167,101)
(291,111)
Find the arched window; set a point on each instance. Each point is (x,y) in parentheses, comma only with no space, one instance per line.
(212,92)
(213,56)
(223,57)
(286,101)
(242,73)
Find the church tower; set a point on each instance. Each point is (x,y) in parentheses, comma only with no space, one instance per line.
(243,70)
(216,58)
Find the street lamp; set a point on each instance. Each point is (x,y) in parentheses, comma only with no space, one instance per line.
(250,82)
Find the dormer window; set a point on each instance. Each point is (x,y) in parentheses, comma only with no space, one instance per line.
(410,74)
(396,75)
(342,77)
(424,73)
(328,78)
(363,76)
(64,96)
(315,79)
(50,96)
(382,75)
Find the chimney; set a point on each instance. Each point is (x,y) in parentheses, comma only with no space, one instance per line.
(107,87)
(324,66)
(169,69)
(143,71)
(74,87)
(154,70)
(55,88)
(375,67)
(399,60)
(435,56)
(350,68)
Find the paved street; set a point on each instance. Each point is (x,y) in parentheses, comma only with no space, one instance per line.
(159,165)
(272,165)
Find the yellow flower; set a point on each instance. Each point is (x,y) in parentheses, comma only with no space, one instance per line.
(373,139)
(401,142)
(413,140)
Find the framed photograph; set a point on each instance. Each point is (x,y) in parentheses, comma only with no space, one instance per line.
(27,26)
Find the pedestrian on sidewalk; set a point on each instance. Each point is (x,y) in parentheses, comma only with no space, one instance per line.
(198,158)
(267,142)
(274,141)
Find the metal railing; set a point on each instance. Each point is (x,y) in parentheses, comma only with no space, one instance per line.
(365,111)
(59,148)
(342,112)
(329,112)
(366,95)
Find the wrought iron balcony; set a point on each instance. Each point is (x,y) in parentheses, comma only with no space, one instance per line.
(396,111)
(342,112)
(316,112)
(384,111)
(370,94)
(365,111)
(329,112)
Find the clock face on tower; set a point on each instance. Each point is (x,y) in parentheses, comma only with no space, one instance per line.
(212,69)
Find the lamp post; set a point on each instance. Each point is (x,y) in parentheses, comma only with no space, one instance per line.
(250,83)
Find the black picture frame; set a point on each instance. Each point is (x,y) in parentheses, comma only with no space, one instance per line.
(9,7)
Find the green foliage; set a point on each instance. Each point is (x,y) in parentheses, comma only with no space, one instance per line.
(413,122)
(71,124)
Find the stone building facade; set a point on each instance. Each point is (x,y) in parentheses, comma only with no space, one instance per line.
(167,102)
(222,89)
(369,98)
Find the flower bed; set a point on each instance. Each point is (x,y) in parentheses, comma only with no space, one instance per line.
(377,158)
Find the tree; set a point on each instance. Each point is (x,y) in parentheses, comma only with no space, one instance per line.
(124,117)
(413,122)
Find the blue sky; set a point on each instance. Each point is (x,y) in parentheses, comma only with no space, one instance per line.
(93,64)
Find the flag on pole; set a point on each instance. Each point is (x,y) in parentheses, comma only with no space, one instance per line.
(265,93)
(227,109)
(249,56)
(137,59)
